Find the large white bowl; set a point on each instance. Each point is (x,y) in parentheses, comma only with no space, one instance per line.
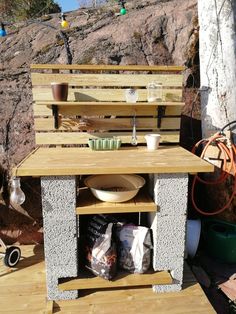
(114,188)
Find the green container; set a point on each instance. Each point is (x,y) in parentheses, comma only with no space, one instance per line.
(104,143)
(220,239)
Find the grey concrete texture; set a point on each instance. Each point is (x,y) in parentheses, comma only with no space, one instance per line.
(169,241)
(60,233)
(170,193)
(53,293)
(167,288)
(169,226)
(177,275)
(58,197)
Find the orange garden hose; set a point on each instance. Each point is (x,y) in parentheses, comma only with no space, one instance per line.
(228,166)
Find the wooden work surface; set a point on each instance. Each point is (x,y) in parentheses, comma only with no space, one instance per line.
(83,161)
(23,290)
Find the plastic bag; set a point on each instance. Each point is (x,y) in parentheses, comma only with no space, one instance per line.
(134,250)
(101,249)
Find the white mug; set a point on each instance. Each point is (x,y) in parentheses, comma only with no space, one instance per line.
(131,95)
(153,141)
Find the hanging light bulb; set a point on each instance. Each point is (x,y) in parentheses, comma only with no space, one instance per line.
(123,10)
(17,196)
(2,31)
(64,22)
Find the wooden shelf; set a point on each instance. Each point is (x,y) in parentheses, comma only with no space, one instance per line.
(108,103)
(88,204)
(161,105)
(121,280)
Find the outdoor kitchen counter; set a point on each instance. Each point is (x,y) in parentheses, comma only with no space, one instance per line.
(83,161)
(164,206)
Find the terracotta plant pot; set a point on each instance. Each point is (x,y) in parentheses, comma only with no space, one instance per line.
(59,91)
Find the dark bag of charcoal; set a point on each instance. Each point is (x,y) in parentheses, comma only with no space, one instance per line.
(101,252)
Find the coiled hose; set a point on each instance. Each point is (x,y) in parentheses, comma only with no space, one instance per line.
(228,167)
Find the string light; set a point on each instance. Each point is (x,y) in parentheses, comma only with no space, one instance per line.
(64,23)
(3,32)
(123,10)
(17,196)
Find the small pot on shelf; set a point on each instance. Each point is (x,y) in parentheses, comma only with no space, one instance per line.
(59,91)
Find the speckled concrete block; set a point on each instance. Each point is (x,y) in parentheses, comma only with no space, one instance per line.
(60,233)
(169,226)
(170,193)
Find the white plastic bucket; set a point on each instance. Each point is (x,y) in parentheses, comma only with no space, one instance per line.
(193,231)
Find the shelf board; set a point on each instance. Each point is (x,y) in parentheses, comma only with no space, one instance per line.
(109,103)
(88,204)
(106,67)
(123,279)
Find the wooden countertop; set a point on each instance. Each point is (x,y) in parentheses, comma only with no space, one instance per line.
(83,161)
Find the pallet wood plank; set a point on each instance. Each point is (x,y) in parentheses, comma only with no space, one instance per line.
(73,124)
(49,307)
(118,80)
(98,110)
(121,280)
(102,67)
(109,103)
(88,204)
(98,94)
(79,161)
(69,138)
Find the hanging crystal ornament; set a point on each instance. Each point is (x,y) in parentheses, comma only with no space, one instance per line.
(17,196)
(3,32)
(64,22)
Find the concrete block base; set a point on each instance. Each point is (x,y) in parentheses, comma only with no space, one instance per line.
(61,226)
(169,226)
(60,233)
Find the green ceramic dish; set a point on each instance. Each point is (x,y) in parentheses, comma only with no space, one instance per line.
(104,143)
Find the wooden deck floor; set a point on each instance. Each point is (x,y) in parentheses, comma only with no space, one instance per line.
(22,290)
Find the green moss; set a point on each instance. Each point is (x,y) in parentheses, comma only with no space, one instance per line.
(45,49)
(137,35)
(60,42)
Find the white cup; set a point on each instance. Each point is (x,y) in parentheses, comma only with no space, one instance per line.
(131,95)
(153,141)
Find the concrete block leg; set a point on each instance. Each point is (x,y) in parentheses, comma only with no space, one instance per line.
(60,233)
(168,225)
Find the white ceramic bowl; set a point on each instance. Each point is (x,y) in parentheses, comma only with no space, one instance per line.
(114,188)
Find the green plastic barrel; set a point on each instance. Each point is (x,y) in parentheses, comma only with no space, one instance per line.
(220,239)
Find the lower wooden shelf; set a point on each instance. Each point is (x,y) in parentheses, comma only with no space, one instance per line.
(121,280)
(88,204)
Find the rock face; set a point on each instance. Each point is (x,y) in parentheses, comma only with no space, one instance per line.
(153,32)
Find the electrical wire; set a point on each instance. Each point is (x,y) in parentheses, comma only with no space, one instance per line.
(228,151)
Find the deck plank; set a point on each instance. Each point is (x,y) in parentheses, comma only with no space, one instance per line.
(22,290)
